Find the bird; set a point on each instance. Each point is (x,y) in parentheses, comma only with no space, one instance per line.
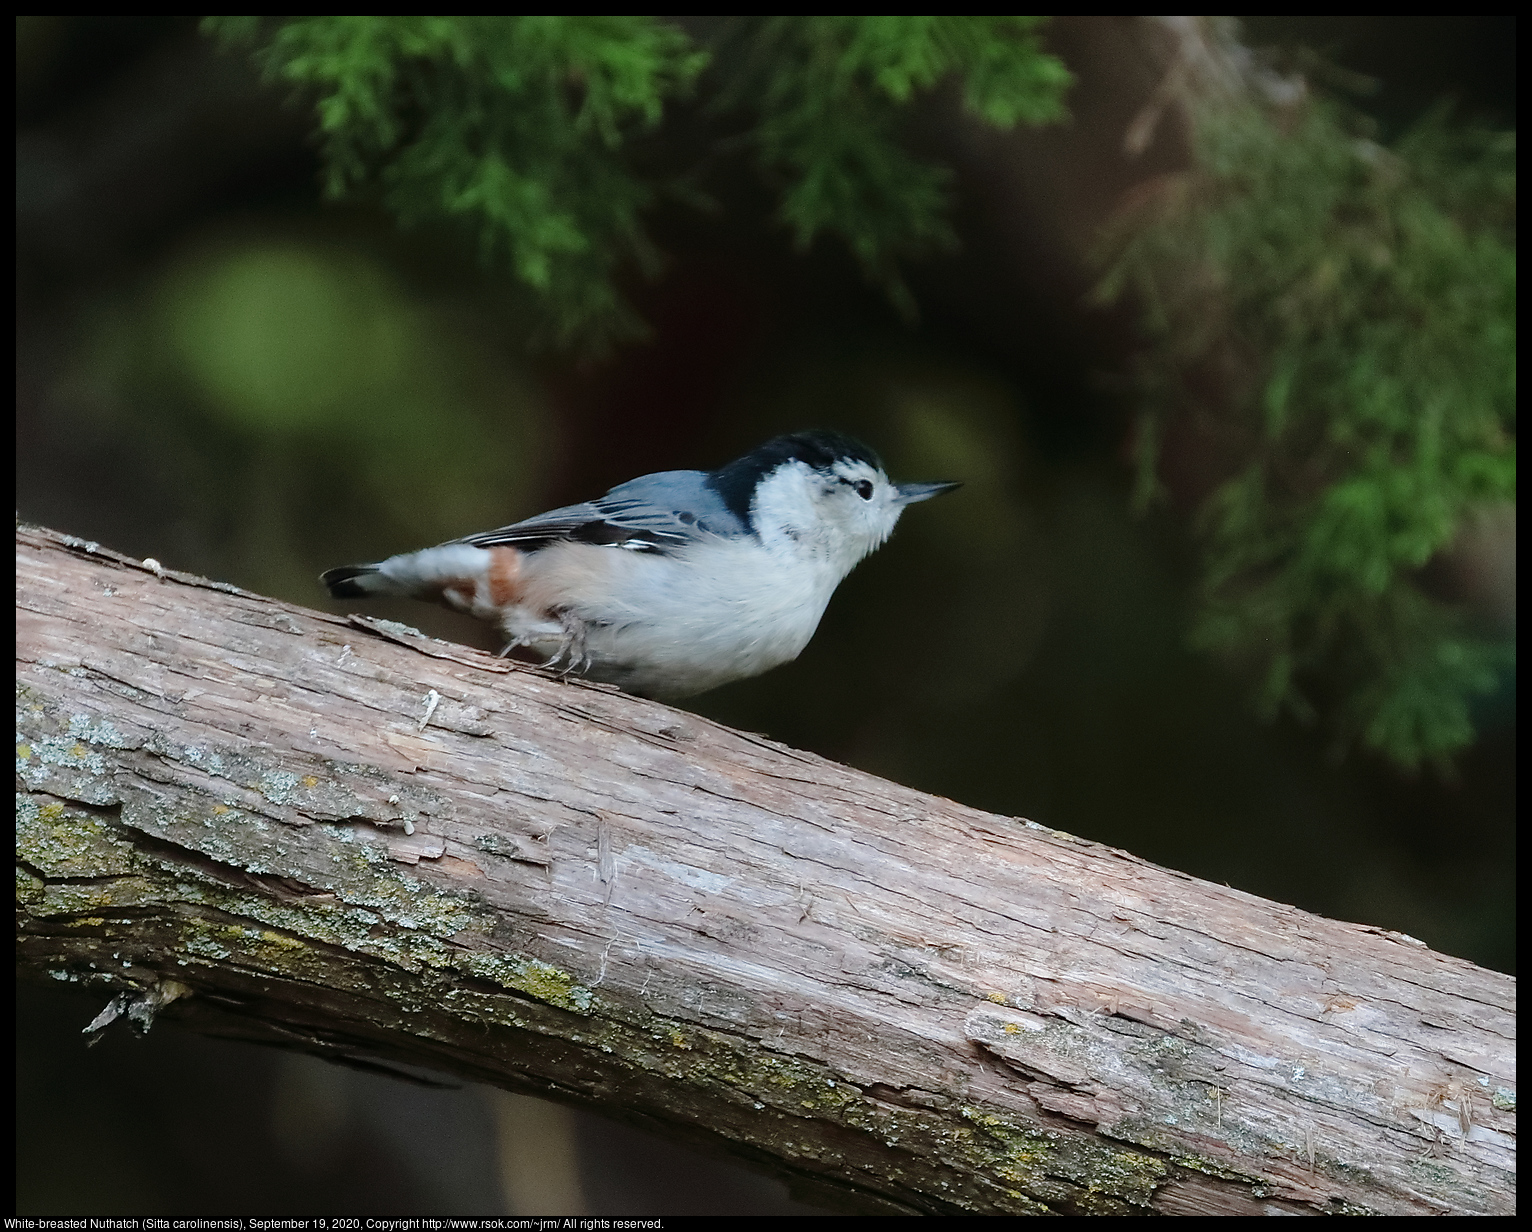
(674,583)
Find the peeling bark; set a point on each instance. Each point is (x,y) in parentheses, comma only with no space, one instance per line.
(255,820)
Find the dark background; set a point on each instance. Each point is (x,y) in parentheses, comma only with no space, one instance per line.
(217,370)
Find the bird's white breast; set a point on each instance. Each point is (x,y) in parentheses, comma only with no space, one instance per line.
(673,625)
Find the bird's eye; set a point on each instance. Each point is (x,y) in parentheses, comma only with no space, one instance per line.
(863,489)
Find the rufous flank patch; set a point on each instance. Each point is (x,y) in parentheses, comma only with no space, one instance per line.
(504,576)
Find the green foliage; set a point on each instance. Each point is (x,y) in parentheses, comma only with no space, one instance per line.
(831,92)
(515,125)
(1353,309)
(523,127)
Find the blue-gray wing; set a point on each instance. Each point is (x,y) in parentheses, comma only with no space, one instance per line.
(654,513)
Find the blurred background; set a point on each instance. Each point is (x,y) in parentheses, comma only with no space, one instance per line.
(219,370)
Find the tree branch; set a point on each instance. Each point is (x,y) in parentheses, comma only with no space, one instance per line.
(345,838)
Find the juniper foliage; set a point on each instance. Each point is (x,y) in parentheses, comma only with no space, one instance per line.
(524,127)
(830,93)
(1354,308)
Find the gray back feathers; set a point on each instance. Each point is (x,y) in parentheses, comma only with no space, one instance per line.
(651,513)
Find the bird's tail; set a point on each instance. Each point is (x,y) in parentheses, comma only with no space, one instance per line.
(457,574)
(359,582)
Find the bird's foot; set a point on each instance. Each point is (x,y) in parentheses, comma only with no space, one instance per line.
(573,650)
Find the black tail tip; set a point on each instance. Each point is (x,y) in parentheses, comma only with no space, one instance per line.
(342,582)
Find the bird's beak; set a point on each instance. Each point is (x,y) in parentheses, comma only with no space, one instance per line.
(909,493)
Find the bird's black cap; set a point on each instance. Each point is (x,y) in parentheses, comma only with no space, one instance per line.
(736,482)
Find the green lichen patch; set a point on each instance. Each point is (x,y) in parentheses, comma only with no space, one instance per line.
(1145,1133)
(48,758)
(277,785)
(29,889)
(74,899)
(98,731)
(1017,1169)
(536,979)
(206,760)
(60,841)
(1102,1178)
(367,891)
(1211,1167)
(66,752)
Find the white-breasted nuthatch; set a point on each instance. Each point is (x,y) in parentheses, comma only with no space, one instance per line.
(674,583)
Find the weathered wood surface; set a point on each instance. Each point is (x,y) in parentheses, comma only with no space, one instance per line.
(232,808)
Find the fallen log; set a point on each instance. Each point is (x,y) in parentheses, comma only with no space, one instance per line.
(341,836)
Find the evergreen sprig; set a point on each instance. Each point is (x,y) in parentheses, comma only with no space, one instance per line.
(522,128)
(831,93)
(1356,305)
(515,125)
